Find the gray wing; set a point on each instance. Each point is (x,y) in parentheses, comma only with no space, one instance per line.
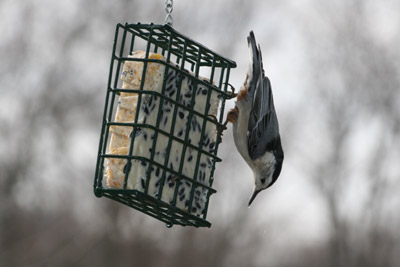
(263,125)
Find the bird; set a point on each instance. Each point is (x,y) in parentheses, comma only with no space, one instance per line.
(255,124)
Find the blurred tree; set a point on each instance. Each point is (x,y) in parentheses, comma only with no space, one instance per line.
(357,79)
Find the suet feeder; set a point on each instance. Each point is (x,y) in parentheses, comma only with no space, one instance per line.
(158,146)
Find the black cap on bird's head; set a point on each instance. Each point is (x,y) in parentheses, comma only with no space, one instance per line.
(279,156)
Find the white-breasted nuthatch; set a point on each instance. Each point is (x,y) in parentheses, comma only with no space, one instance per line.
(255,124)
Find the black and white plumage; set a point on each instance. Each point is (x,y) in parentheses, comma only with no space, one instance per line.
(255,124)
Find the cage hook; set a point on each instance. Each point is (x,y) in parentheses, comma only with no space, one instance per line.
(169,8)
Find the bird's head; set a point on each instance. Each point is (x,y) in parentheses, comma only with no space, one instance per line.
(267,175)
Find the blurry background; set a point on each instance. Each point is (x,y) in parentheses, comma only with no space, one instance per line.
(335,71)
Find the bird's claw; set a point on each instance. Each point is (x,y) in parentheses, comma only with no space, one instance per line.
(232,93)
(220,128)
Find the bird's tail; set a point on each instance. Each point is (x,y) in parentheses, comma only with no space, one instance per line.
(255,66)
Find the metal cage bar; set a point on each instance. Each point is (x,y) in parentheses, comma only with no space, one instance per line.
(180,53)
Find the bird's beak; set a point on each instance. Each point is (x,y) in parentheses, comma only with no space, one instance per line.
(253,196)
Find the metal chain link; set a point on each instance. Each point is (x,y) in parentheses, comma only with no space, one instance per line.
(168,8)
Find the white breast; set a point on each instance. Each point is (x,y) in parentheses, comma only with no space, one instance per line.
(240,135)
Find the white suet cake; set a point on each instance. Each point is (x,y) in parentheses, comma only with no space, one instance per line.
(120,140)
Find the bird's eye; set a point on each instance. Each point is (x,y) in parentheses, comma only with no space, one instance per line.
(263,180)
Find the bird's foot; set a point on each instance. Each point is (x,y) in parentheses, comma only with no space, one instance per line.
(232,117)
(220,128)
(232,93)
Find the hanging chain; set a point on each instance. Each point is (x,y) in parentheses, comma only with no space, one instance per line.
(168,8)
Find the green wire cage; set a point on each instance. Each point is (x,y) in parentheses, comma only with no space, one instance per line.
(171,93)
